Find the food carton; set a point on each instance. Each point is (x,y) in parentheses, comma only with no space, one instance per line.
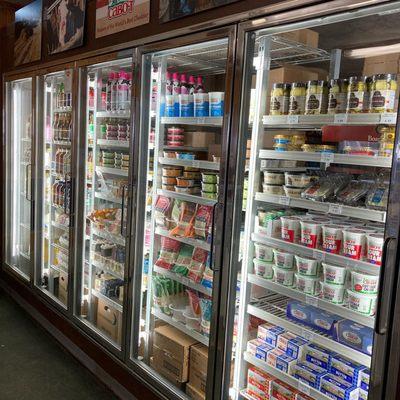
(363,379)
(269,333)
(318,355)
(354,335)
(308,373)
(337,388)
(345,369)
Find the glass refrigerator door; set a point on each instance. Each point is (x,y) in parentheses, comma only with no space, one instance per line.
(311,210)
(55,160)
(19,174)
(105,183)
(183,117)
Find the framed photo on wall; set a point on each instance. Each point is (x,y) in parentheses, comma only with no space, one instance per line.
(65,24)
(28,33)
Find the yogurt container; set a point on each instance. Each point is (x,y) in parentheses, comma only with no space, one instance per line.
(186,105)
(201,105)
(171,106)
(307,266)
(333,274)
(290,229)
(374,248)
(362,303)
(310,233)
(332,237)
(333,293)
(307,284)
(216,100)
(293,191)
(364,283)
(263,252)
(354,243)
(273,189)
(263,268)
(274,178)
(283,260)
(283,276)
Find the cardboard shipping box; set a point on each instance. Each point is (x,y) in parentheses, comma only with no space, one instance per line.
(194,393)
(109,320)
(63,280)
(171,350)
(62,295)
(198,367)
(304,36)
(384,64)
(199,138)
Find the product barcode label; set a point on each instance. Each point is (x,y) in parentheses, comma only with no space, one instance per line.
(304,388)
(307,335)
(388,118)
(340,119)
(327,158)
(319,255)
(311,300)
(293,119)
(335,209)
(285,201)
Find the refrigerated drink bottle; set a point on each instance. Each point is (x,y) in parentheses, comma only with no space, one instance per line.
(103,100)
(176,84)
(61,95)
(168,83)
(122,91)
(55,126)
(199,86)
(111,91)
(192,84)
(184,85)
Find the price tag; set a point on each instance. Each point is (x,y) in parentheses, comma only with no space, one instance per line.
(311,300)
(185,281)
(304,388)
(293,119)
(308,335)
(196,164)
(285,201)
(318,255)
(340,119)
(327,158)
(201,120)
(335,208)
(388,118)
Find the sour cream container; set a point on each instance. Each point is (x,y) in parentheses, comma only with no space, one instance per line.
(283,260)
(216,104)
(293,191)
(263,268)
(333,274)
(273,189)
(364,283)
(274,178)
(283,276)
(332,237)
(362,303)
(310,233)
(374,248)
(307,266)
(263,252)
(354,243)
(307,284)
(333,293)
(290,229)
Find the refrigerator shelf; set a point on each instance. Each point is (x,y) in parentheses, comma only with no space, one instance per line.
(111,144)
(329,208)
(25,255)
(111,199)
(112,114)
(185,148)
(290,380)
(318,121)
(59,268)
(182,279)
(112,171)
(182,327)
(187,197)
(193,242)
(60,226)
(111,237)
(335,259)
(59,247)
(189,163)
(201,121)
(113,303)
(60,143)
(312,300)
(328,158)
(99,265)
(276,314)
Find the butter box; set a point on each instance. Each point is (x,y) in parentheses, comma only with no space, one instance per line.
(263,350)
(345,369)
(269,333)
(282,391)
(296,346)
(283,340)
(272,357)
(318,355)
(362,394)
(363,379)
(308,373)
(252,346)
(285,363)
(260,379)
(354,335)
(338,389)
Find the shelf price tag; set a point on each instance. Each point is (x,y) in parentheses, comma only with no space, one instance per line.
(318,255)
(293,119)
(304,388)
(308,335)
(201,120)
(196,164)
(340,119)
(327,158)
(387,118)
(335,208)
(285,201)
(311,300)
(185,281)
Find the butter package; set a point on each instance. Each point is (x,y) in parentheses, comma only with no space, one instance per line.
(255,392)
(324,321)
(345,369)
(259,379)
(301,396)
(363,379)
(318,355)
(299,312)
(282,391)
(252,346)
(362,394)
(296,346)
(308,373)
(283,340)
(263,350)
(269,333)
(272,357)
(338,389)
(285,363)
(354,335)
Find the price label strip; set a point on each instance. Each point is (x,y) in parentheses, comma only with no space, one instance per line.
(335,209)
(327,158)
(293,119)
(308,335)
(284,200)
(340,119)
(388,118)
(318,255)
(311,300)
(304,388)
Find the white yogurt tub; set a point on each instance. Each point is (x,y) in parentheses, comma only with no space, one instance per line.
(307,284)
(310,233)
(364,283)
(297,180)
(283,260)
(294,192)
(332,238)
(333,293)
(354,243)
(283,276)
(307,266)
(333,274)
(362,303)
(375,248)
(273,189)
(274,178)
(290,229)
(264,269)
(263,252)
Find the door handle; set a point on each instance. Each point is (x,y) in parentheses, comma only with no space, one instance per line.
(27,168)
(215,209)
(122,210)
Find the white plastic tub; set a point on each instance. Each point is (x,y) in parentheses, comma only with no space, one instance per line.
(307,266)
(263,252)
(362,303)
(334,274)
(283,260)
(263,268)
(307,284)
(364,283)
(333,293)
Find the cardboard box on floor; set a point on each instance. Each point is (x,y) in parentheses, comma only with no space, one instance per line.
(109,320)
(194,393)
(62,295)
(384,64)
(171,353)
(198,367)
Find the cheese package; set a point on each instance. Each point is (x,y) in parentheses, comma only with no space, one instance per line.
(309,373)
(363,379)
(318,355)
(252,346)
(269,333)
(338,389)
(263,350)
(362,394)
(345,369)
(354,335)
(282,391)
(259,379)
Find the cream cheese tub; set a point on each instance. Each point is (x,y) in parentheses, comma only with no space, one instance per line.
(283,276)
(374,248)
(333,293)
(354,243)
(332,237)
(294,192)
(364,283)
(297,180)
(307,284)
(307,266)
(263,252)
(263,268)
(333,274)
(283,260)
(290,229)
(274,178)
(362,303)
(276,190)
(310,233)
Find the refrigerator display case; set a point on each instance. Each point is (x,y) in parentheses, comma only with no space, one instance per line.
(104,169)
(18,188)
(316,210)
(180,179)
(55,184)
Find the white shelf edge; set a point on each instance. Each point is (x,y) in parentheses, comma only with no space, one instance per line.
(187,197)
(109,271)
(190,163)
(312,300)
(112,171)
(110,114)
(205,121)
(102,196)
(111,302)
(118,239)
(122,144)
(192,242)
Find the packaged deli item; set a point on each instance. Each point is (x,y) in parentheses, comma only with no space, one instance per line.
(293,192)
(337,99)
(283,340)
(297,98)
(323,320)
(203,222)
(283,259)
(357,94)
(334,274)
(282,391)
(269,333)
(354,335)
(332,238)
(318,355)
(184,215)
(353,192)
(333,293)
(274,178)
(285,363)
(252,346)
(290,226)
(345,369)
(337,388)
(309,373)
(182,262)
(162,211)
(276,190)
(273,355)
(354,243)
(362,394)
(310,233)
(263,252)
(316,97)
(361,302)
(280,95)
(259,382)
(169,252)
(283,276)
(383,93)
(197,264)
(291,344)
(297,180)
(377,197)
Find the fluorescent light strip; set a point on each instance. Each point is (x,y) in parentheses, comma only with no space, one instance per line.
(373,51)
